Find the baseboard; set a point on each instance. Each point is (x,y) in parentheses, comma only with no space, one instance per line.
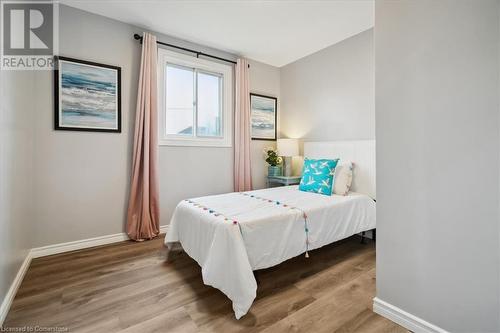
(403,318)
(55,249)
(14,286)
(49,250)
(82,244)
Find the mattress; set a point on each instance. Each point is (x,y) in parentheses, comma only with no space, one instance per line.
(232,234)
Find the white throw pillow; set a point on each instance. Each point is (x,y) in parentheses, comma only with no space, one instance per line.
(343,178)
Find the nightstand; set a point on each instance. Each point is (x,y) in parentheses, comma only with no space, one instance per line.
(282,180)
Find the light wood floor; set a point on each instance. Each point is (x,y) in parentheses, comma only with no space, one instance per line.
(128,287)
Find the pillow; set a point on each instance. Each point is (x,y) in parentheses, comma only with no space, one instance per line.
(317,176)
(342,179)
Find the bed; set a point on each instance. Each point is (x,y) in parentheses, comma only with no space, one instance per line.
(231,235)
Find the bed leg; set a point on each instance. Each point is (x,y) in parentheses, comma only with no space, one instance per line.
(168,253)
(171,251)
(375,235)
(256,278)
(363,238)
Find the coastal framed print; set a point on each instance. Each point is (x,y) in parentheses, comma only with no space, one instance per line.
(264,115)
(87,96)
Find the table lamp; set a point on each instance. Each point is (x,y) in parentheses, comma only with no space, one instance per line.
(287,148)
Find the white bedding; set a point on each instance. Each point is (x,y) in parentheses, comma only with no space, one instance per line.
(265,234)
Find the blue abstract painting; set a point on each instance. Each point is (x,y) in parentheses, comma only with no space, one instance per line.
(88,97)
(263,117)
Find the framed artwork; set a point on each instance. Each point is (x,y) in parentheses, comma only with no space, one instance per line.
(264,115)
(87,96)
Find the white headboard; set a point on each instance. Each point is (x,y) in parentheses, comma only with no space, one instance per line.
(360,152)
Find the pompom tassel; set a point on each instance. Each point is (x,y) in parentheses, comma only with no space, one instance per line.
(307,254)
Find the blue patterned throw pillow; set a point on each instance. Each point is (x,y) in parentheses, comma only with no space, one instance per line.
(317,176)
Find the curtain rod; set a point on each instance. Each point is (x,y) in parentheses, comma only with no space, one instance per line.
(198,53)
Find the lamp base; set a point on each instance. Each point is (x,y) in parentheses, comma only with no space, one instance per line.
(287,166)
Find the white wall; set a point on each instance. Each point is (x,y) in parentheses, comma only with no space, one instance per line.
(264,80)
(329,95)
(16,170)
(82,179)
(437,110)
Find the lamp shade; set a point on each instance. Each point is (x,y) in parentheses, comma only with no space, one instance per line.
(288,147)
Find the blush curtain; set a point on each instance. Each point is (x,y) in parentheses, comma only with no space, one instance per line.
(242,171)
(143,217)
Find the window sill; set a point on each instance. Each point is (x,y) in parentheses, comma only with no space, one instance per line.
(195,143)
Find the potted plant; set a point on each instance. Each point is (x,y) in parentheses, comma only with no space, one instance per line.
(274,161)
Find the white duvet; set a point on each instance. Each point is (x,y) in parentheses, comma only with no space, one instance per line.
(265,233)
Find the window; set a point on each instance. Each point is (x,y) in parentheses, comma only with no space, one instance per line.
(195,101)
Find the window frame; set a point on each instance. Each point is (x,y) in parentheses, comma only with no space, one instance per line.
(204,66)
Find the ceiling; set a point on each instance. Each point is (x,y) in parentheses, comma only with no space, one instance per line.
(274,32)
